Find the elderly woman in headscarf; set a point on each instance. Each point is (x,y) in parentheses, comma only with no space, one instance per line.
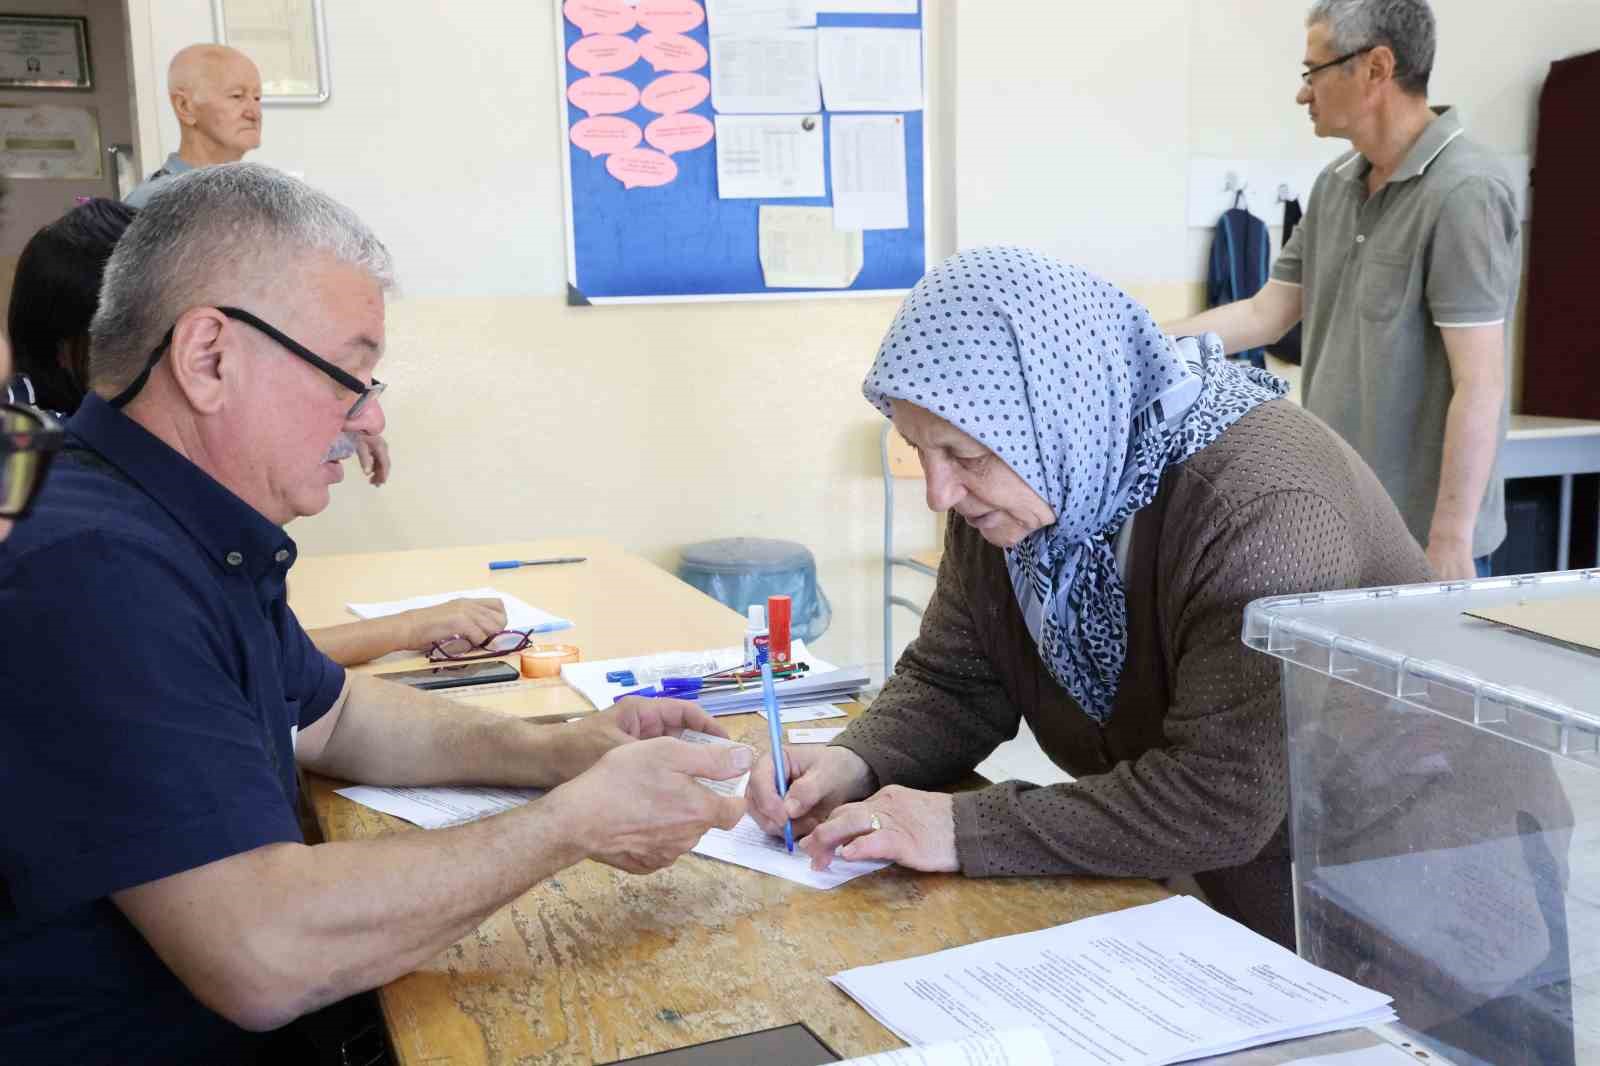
(1117,497)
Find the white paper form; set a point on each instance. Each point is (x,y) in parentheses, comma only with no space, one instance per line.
(765,73)
(769,156)
(806,712)
(870,69)
(1140,987)
(746,845)
(590,678)
(869,172)
(820,735)
(757,16)
(440,808)
(519,615)
(800,248)
(1014,1047)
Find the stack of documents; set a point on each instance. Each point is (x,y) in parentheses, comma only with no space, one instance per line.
(823,683)
(829,686)
(1162,983)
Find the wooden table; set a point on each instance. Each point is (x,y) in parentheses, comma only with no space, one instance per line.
(594,965)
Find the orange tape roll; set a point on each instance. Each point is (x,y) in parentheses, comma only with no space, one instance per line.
(546,660)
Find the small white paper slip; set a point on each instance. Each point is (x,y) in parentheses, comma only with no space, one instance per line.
(869,171)
(440,808)
(519,615)
(806,712)
(746,845)
(814,736)
(734,786)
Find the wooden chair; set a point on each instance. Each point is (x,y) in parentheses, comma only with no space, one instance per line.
(900,462)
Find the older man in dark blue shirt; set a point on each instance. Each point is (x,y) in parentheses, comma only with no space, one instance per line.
(156,898)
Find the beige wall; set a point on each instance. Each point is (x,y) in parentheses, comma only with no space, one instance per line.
(1065,126)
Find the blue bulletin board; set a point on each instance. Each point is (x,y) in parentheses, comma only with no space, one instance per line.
(679,240)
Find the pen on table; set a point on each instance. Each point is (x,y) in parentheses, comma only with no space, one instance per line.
(769,697)
(512,564)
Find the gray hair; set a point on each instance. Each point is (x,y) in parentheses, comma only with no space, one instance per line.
(1405,26)
(214,236)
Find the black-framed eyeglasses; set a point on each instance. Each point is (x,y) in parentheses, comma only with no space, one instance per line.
(1305,75)
(460,649)
(29,439)
(364,393)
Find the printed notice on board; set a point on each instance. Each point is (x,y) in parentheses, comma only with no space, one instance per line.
(801,249)
(757,16)
(769,156)
(869,171)
(771,73)
(870,69)
(868,7)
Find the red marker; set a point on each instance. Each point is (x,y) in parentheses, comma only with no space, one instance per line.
(778,608)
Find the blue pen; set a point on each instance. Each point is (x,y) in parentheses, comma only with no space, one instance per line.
(512,564)
(769,696)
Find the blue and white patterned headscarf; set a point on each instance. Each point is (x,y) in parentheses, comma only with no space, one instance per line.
(1055,371)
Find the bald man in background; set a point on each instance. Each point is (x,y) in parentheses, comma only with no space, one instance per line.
(216,94)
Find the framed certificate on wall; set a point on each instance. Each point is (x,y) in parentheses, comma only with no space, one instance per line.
(288,40)
(45,52)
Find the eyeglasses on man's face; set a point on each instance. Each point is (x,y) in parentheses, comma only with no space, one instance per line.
(364,393)
(29,439)
(1305,75)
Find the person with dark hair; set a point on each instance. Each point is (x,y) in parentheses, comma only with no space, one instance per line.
(1404,274)
(53,297)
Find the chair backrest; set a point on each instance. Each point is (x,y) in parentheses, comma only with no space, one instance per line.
(902,457)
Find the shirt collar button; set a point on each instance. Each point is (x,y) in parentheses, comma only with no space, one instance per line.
(282,555)
(235,559)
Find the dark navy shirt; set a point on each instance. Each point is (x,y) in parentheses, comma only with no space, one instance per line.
(152,679)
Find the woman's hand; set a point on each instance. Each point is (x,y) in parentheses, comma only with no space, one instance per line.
(819,780)
(903,825)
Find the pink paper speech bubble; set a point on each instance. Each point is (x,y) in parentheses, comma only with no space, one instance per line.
(670,16)
(641,168)
(673,93)
(604,95)
(606,134)
(604,53)
(671,51)
(679,133)
(600,16)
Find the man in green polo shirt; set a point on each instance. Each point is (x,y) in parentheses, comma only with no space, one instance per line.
(1405,273)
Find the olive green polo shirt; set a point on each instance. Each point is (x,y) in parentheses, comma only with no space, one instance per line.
(1437,247)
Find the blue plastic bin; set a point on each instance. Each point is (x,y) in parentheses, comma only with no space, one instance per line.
(739,571)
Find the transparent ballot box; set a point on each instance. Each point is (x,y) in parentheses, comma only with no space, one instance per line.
(1444,807)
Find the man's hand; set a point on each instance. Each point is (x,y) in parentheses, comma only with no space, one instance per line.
(639,807)
(819,780)
(471,619)
(631,718)
(915,829)
(373,452)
